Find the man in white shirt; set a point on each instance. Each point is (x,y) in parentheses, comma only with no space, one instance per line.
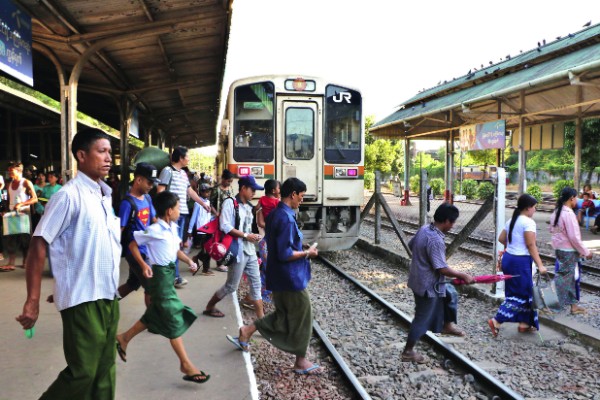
(82,235)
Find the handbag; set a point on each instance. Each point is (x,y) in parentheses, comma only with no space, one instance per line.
(544,293)
(15,223)
(221,246)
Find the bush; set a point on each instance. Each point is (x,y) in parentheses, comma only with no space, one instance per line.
(536,191)
(560,185)
(437,186)
(485,190)
(415,183)
(369,180)
(469,188)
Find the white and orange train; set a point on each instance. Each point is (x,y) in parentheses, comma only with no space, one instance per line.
(277,127)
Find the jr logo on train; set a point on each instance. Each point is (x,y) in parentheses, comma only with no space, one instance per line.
(277,127)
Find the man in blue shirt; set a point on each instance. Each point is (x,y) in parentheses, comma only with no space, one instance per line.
(289,327)
(145,177)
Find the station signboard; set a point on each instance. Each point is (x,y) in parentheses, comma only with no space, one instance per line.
(489,135)
(15,42)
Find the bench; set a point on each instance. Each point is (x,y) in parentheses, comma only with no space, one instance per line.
(587,217)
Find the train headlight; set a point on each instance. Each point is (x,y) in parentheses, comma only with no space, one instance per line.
(345,173)
(258,171)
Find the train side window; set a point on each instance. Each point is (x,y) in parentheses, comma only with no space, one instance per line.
(299,133)
(343,130)
(254,122)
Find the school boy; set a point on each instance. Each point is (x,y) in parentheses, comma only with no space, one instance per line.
(145,177)
(199,218)
(165,315)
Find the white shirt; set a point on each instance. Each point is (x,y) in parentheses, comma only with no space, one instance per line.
(162,241)
(227,223)
(517,246)
(84,236)
(200,216)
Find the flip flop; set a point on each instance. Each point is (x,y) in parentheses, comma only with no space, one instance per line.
(578,311)
(527,329)
(213,313)
(415,357)
(121,352)
(314,370)
(193,378)
(207,273)
(454,332)
(7,268)
(243,346)
(495,330)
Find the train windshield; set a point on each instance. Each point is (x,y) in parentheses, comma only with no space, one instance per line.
(254,122)
(343,109)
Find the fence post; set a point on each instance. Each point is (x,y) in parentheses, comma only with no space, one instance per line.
(499,217)
(377,207)
(423,198)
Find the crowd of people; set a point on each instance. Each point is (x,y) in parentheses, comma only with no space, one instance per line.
(83,233)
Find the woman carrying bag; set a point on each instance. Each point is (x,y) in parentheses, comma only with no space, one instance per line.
(566,241)
(518,237)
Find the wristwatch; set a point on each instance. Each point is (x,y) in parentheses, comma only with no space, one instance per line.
(245,235)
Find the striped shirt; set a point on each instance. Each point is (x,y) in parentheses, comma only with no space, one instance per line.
(179,185)
(84,235)
(428,256)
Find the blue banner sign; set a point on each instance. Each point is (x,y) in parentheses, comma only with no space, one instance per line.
(491,135)
(15,42)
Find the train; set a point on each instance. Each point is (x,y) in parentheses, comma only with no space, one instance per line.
(280,126)
(477,173)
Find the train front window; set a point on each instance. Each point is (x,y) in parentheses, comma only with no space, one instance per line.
(342,128)
(254,122)
(299,133)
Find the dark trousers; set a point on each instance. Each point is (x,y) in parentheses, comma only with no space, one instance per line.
(431,313)
(202,255)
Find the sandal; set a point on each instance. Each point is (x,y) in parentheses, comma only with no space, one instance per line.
(197,378)
(207,273)
(494,328)
(527,329)
(7,268)
(213,313)
(578,310)
(454,331)
(414,357)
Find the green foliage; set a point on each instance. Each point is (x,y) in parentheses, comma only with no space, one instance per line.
(369,179)
(485,190)
(469,188)
(415,183)
(201,162)
(369,122)
(590,156)
(437,186)
(553,161)
(379,156)
(536,191)
(560,185)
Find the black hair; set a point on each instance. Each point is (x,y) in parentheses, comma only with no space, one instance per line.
(271,185)
(585,194)
(163,201)
(227,174)
(525,201)
(565,195)
(85,138)
(55,173)
(446,212)
(292,185)
(178,153)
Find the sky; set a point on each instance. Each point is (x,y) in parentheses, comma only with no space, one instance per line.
(390,49)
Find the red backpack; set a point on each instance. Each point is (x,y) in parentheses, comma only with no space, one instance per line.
(222,247)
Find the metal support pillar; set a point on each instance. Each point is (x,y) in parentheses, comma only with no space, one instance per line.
(126,111)
(578,143)
(423,198)
(406,196)
(377,207)
(522,155)
(449,171)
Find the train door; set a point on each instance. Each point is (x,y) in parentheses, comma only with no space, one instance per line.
(300,155)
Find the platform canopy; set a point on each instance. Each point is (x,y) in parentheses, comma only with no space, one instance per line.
(557,81)
(165,58)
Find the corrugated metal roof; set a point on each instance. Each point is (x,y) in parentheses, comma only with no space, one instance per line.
(557,57)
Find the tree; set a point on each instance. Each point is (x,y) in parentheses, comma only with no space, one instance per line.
(369,122)
(379,156)
(590,156)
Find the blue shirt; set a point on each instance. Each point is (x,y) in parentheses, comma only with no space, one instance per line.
(283,238)
(428,256)
(143,219)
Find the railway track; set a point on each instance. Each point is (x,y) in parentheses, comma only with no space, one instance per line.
(486,251)
(492,387)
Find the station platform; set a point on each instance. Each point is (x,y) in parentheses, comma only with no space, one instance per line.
(29,366)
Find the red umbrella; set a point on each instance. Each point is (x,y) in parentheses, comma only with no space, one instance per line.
(484,279)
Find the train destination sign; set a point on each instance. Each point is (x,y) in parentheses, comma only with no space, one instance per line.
(490,135)
(15,42)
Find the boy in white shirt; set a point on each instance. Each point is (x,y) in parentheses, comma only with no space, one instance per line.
(200,217)
(166,315)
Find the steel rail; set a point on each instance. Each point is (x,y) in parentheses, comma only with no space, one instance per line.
(481,375)
(358,388)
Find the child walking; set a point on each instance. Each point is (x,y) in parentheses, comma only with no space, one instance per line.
(166,315)
(200,217)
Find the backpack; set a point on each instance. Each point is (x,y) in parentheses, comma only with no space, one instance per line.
(222,247)
(129,228)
